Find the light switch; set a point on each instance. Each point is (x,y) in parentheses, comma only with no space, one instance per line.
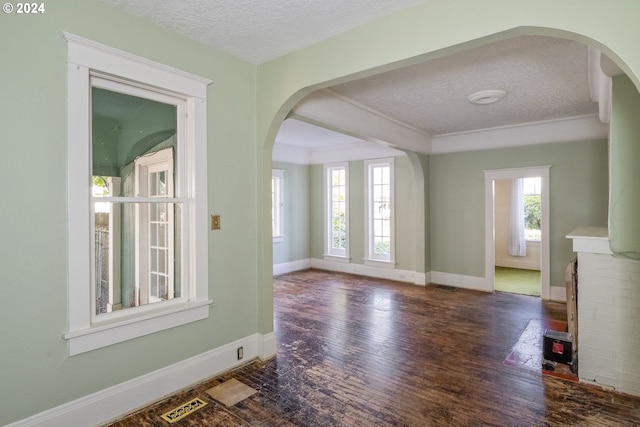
(215,222)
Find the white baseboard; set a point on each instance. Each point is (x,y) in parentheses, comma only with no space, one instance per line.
(116,401)
(461,281)
(288,267)
(372,271)
(516,263)
(558,293)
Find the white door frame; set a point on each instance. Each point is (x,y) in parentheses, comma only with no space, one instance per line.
(526,172)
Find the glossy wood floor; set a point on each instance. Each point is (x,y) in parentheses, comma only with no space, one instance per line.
(355,351)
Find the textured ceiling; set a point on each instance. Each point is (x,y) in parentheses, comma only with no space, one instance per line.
(260,30)
(545,78)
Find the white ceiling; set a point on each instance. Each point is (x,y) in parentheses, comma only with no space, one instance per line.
(546,79)
(260,30)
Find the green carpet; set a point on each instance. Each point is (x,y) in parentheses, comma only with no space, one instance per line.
(517,281)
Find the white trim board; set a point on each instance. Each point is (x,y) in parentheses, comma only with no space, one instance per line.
(358,269)
(557,293)
(121,399)
(288,267)
(461,281)
(378,272)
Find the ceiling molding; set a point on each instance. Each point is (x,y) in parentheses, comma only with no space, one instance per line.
(560,130)
(336,113)
(342,153)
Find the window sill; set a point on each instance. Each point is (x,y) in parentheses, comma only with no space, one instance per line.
(336,258)
(84,340)
(379,263)
(278,239)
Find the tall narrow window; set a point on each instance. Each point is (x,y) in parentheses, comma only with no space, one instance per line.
(337,211)
(277,204)
(380,212)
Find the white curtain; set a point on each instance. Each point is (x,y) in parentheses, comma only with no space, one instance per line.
(517,243)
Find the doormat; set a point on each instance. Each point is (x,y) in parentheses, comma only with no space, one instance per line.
(231,392)
(527,351)
(182,411)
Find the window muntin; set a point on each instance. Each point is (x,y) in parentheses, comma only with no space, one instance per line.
(92,66)
(380,210)
(337,210)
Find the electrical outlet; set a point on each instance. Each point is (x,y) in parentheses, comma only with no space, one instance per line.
(240,353)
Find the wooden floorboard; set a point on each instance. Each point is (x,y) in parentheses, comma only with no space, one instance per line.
(356,351)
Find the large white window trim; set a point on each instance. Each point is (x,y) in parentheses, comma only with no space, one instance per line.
(86,332)
(336,200)
(378,229)
(277,204)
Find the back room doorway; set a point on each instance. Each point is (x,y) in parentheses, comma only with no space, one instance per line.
(517,230)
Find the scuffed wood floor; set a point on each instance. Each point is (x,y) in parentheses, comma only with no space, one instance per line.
(356,351)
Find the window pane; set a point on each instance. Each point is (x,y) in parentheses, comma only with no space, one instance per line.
(125,127)
(124,279)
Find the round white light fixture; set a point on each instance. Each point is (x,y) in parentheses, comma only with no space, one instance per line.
(484,97)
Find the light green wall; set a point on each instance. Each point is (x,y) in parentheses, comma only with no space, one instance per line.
(296,243)
(578,197)
(35,369)
(624,209)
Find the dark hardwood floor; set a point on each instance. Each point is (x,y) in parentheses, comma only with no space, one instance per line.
(356,351)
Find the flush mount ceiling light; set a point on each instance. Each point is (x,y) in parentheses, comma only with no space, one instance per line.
(484,97)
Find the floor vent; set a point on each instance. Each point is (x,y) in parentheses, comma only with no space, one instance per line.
(182,411)
(447,288)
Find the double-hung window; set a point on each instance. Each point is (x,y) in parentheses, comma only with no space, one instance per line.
(379,220)
(336,230)
(137,196)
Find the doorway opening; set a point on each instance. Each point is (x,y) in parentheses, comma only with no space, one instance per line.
(517,230)
(517,235)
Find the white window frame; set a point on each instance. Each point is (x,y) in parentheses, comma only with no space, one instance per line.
(331,253)
(373,259)
(277,204)
(86,331)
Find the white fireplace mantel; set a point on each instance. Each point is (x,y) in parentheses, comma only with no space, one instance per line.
(593,240)
(608,298)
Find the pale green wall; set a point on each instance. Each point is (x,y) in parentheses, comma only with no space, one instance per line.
(578,197)
(296,243)
(624,209)
(35,369)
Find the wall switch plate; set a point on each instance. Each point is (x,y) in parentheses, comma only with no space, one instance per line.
(215,222)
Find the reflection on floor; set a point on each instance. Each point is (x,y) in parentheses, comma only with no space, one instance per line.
(527,352)
(517,281)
